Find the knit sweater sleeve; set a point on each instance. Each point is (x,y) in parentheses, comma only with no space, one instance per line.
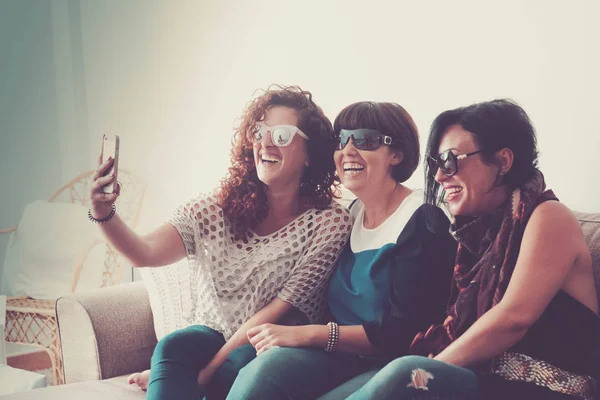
(193,220)
(422,270)
(326,236)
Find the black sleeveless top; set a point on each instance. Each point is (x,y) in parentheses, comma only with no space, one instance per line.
(567,335)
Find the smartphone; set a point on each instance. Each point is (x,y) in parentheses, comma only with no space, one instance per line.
(110,148)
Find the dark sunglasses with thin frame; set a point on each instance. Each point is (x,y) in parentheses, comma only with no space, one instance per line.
(447,162)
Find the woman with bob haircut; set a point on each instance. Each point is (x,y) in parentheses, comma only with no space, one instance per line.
(392,279)
(259,247)
(522,318)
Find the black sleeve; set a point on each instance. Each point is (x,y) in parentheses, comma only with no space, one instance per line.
(421,278)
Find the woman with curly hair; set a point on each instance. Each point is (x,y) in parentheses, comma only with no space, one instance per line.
(261,246)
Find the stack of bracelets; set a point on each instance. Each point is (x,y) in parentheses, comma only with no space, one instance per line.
(334,337)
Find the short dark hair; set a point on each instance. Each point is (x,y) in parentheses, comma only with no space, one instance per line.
(390,119)
(495,125)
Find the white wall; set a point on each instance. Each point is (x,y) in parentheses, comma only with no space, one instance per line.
(172,79)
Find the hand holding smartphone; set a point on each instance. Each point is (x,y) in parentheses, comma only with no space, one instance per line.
(110,148)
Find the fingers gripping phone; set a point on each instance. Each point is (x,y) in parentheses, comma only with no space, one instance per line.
(110,148)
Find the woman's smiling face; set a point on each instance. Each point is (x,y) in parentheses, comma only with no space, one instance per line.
(473,190)
(365,170)
(280,166)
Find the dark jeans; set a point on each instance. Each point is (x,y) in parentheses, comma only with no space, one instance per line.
(297,373)
(411,377)
(180,356)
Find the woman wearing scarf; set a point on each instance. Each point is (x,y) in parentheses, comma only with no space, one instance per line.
(522,316)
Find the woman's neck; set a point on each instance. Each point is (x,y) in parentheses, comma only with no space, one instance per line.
(284,207)
(494,199)
(283,204)
(380,204)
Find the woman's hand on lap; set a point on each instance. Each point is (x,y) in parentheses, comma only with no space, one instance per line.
(266,336)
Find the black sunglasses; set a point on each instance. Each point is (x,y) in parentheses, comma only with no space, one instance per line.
(447,162)
(363,139)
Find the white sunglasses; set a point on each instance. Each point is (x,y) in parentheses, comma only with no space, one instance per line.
(281,135)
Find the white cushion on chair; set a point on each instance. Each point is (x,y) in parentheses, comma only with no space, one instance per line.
(13,380)
(41,255)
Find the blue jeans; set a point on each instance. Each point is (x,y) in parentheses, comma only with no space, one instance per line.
(180,356)
(297,373)
(410,377)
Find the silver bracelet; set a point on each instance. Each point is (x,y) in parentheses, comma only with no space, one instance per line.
(334,337)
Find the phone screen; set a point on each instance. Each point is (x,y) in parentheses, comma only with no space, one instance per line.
(110,148)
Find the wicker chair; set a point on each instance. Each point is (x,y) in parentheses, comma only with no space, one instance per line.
(33,321)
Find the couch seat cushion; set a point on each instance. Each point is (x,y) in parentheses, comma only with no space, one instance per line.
(110,389)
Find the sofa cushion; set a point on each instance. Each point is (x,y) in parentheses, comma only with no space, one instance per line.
(590,224)
(113,389)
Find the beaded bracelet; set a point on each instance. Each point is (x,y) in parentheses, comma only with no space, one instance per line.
(334,337)
(105,219)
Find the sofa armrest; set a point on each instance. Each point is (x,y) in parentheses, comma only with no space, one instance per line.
(106,333)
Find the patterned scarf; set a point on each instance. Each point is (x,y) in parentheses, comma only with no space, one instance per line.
(487,252)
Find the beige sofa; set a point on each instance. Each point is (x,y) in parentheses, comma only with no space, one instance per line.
(109,334)
(106,335)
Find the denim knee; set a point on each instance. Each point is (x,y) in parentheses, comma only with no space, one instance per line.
(169,346)
(261,377)
(264,366)
(188,345)
(403,366)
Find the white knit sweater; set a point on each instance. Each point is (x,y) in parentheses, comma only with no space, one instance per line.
(226,281)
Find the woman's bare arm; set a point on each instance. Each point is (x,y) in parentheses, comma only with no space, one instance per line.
(161,247)
(550,247)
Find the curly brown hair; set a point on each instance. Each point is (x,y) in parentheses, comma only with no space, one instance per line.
(242,196)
